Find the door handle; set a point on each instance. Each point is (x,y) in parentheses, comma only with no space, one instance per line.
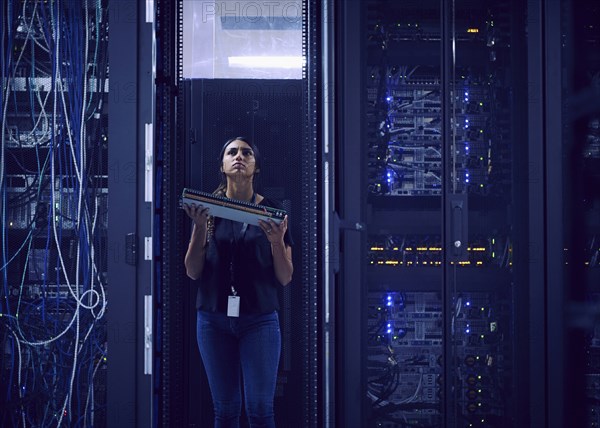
(457,228)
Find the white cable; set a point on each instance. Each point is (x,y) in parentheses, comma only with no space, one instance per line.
(94,270)
(416,394)
(40,25)
(46,123)
(68,124)
(82,155)
(76,351)
(30,237)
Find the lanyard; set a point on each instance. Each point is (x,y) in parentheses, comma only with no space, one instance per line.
(235,249)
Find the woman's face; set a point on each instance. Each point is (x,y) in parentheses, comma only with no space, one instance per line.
(238,160)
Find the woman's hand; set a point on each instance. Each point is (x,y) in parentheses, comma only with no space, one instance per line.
(282,253)
(198,213)
(194,257)
(274,231)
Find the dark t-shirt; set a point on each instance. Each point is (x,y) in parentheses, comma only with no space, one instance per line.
(253,272)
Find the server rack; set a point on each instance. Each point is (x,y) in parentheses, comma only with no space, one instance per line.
(73,141)
(54,220)
(194,118)
(63,158)
(431,177)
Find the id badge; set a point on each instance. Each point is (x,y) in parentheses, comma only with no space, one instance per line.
(233,306)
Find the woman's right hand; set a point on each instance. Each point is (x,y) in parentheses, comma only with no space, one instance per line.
(194,257)
(198,213)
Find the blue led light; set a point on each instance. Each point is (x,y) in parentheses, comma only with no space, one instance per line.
(468,304)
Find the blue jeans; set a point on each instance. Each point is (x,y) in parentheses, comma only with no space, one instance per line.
(247,346)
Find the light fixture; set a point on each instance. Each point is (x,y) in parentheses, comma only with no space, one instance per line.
(293,62)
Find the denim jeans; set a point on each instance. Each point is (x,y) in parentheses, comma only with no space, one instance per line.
(233,349)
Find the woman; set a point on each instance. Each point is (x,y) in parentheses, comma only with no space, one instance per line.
(240,267)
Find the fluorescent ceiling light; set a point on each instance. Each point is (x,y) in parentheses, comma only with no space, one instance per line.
(266,61)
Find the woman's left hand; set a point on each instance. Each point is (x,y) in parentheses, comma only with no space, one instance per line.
(274,231)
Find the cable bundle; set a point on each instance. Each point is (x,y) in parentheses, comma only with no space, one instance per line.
(53,258)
